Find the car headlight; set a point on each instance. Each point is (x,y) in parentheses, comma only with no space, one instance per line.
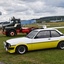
(7,45)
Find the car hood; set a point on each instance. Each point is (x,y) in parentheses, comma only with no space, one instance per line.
(22,40)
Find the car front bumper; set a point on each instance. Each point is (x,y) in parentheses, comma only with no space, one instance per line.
(10,49)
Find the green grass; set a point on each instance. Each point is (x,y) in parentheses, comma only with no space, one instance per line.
(48,56)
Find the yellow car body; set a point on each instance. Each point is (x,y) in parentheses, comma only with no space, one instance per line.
(36,39)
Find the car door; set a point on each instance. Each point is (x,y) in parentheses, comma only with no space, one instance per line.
(44,40)
(55,38)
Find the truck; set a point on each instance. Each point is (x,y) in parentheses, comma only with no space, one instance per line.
(15,27)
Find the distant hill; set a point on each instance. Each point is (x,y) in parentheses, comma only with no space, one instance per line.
(51,19)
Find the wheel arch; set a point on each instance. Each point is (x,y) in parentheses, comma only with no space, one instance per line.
(12,30)
(59,43)
(8,30)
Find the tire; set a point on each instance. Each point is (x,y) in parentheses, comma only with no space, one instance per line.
(12,33)
(61,45)
(21,49)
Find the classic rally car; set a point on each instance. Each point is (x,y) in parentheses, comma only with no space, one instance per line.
(36,39)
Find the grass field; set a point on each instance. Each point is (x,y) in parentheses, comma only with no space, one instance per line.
(48,56)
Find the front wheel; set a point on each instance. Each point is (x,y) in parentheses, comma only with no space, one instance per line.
(21,49)
(12,33)
(61,45)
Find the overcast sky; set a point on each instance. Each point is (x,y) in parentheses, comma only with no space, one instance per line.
(28,9)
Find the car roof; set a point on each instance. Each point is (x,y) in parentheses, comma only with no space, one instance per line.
(45,29)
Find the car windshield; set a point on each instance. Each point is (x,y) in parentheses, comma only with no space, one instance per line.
(32,34)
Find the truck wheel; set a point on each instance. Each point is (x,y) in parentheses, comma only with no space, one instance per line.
(61,45)
(12,33)
(21,49)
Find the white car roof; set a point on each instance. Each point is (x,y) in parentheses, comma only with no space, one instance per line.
(48,29)
(45,29)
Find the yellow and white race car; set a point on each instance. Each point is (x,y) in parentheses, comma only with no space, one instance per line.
(36,39)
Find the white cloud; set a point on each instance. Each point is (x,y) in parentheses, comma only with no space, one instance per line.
(36,6)
(60,11)
(56,3)
(3,10)
(28,9)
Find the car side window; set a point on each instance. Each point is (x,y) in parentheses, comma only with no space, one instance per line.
(43,34)
(54,34)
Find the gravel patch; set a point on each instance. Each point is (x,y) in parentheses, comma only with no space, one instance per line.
(1,63)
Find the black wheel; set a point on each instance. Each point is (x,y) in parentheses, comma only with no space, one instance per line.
(61,45)
(21,49)
(12,33)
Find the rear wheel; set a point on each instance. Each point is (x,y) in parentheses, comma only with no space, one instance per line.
(12,33)
(21,49)
(61,45)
